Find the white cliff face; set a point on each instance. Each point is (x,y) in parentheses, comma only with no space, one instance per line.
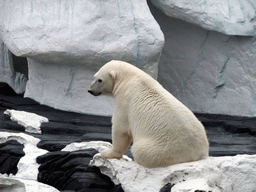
(235,17)
(83,32)
(67,42)
(65,87)
(218,174)
(208,71)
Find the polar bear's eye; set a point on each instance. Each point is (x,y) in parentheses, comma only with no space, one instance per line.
(99,80)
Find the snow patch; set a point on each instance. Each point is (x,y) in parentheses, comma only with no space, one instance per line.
(30,121)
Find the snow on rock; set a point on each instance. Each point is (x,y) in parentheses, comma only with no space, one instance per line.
(30,121)
(218,174)
(237,17)
(21,185)
(27,166)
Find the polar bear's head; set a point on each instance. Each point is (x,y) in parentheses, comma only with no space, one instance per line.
(103,81)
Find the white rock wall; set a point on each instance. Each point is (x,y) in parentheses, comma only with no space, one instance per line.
(88,32)
(208,71)
(65,87)
(66,42)
(231,17)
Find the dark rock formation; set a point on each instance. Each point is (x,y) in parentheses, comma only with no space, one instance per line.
(10,154)
(70,171)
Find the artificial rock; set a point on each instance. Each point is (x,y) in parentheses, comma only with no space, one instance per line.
(218,174)
(229,17)
(11,151)
(227,136)
(30,121)
(14,79)
(208,71)
(66,42)
(27,166)
(208,65)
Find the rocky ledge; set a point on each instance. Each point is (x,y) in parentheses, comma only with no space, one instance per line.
(59,153)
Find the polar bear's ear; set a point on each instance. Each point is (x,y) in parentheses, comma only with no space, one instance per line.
(113,74)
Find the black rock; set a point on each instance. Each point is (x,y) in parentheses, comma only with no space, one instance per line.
(10,154)
(70,171)
(167,188)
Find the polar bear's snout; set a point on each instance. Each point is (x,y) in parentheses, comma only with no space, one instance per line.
(93,93)
(95,89)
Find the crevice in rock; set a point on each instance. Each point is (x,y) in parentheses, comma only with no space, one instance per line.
(222,78)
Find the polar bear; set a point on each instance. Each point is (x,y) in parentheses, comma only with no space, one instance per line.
(160,128)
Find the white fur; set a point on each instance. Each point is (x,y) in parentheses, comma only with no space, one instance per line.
(162,129)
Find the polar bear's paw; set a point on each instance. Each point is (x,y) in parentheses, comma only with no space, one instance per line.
(110,153)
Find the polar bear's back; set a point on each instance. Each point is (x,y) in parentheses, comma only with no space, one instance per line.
(157,115)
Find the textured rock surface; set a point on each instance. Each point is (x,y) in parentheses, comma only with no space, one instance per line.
(86,32)
(7,73)
(27,166)
(213,174)
(208,71)
(66,42)
(65,87)
(70,171)
(229,17)
(11,151)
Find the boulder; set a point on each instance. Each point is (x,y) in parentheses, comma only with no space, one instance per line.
(231,18)
(67,42)
(218,174)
